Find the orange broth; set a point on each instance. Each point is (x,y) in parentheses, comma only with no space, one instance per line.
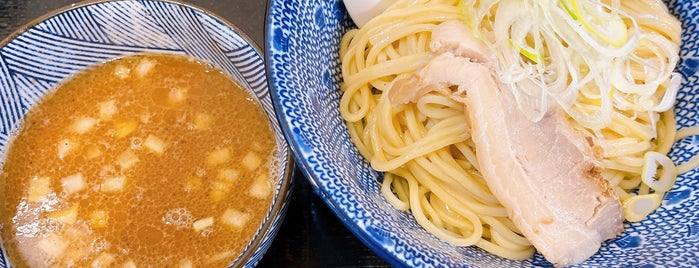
(150,160)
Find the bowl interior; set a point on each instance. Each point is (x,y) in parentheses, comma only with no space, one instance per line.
(34,60)
(303,60)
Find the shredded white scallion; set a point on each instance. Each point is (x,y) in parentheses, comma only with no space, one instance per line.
(664,181)
(553,51)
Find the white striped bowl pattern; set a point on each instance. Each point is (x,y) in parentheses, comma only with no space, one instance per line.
(35,59)
(303,40)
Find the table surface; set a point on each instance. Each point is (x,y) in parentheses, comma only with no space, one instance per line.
(311,235)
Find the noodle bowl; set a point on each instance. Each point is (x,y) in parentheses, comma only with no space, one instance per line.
(425,148)
(25,80)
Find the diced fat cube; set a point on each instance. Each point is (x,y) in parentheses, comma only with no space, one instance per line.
(74,231)
(221,185)
(203,121)
(79,241)
(218,157)
(53,245)
(221,256)
(124,128)
(251,161)
(155,144)
(219,190)
(129,264)
(228,174)
(144,66)
(83,124)
(77,250)
(107,109)
(261,187)
(67,216)
(92,151)
(122,71)
(39,188)
(177,95)
(181,118)
(145,118)
(105,259)
(73,183)
(127,159)
(235,218)
(99,218)
(186,263)
(112,184)
(257,146)
(202,224)
(107,170)
(65,147)
(193,183)
(79,236)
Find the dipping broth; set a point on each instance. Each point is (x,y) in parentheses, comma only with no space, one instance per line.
(150,160)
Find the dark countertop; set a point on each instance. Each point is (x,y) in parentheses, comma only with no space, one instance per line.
(311,235)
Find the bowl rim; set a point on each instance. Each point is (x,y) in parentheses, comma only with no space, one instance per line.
(276,213)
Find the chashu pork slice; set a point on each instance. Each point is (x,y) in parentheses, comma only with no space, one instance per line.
(544,173)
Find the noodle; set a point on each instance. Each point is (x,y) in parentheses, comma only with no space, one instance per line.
(425,149)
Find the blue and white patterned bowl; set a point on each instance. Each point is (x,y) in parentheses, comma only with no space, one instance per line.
(43,53)
(303,40)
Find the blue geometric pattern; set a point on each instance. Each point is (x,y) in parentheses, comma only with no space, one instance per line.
(303,40)
(36,59)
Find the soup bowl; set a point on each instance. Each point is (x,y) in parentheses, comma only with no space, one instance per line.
(303,41)
(40,55)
